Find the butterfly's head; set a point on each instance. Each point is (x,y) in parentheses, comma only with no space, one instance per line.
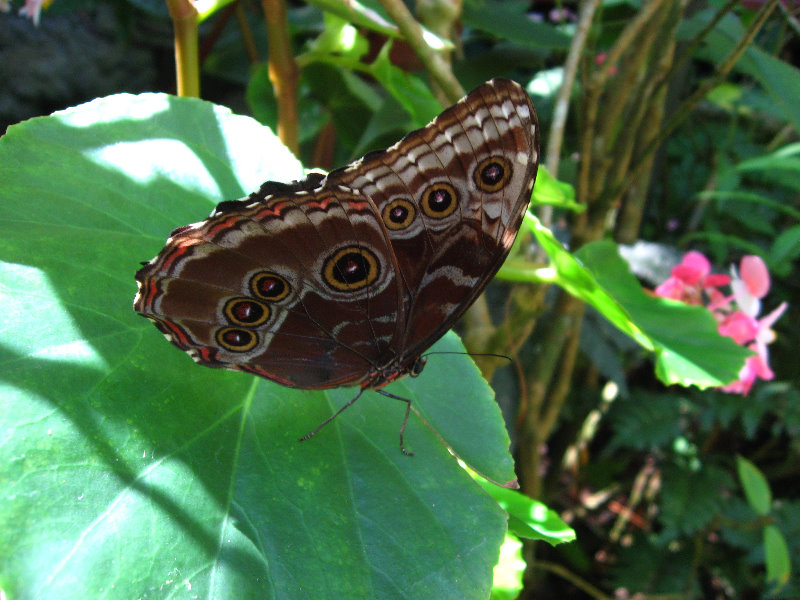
(416,367)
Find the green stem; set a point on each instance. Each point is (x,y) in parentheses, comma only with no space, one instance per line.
(436,65)
(187,62)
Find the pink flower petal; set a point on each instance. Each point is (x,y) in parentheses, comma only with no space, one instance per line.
(765,335)
(717,300)
(747,302)
(693,268)
(32,9)
(746,379)
(671,288)
(740,386)
(739,326)
(755,275)
(759,366)
(717,280)
(768,321)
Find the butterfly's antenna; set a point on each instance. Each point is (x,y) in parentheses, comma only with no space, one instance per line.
(333,416)
(473,354)
(405,419)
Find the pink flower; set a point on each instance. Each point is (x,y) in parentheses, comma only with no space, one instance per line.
(690,279)
(562,15)
(743,327)
(693,283)
(32,9)
(756,367)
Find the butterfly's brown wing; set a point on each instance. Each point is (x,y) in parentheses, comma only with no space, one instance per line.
(347,279)
(452,196)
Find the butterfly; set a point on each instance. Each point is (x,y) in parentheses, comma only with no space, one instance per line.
(346,279)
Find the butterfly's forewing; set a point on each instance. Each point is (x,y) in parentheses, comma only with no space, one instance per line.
(346,279)
(452,196)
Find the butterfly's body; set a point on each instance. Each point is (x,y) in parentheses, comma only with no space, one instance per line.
(346,279)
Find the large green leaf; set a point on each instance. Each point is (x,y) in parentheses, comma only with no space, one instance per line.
(684,339)
(130,472)
(688,348)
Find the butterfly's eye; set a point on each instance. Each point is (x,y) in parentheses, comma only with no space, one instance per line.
(399,214)
(236,340)
(492,174)
(351,269)
(439,201)
(269,286)
(244,311)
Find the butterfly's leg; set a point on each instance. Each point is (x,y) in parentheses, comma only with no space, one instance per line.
(405,419)
(332,417)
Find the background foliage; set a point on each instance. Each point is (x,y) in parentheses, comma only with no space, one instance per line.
(129,472)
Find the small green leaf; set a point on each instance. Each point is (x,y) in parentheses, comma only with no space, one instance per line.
(373,18)
(725,95)
(549,190)
(206,8)
(755,485)
(341,39)
(529,518)
(409,90)
(508,20)
(786,247)
(568,272)
(776,557)
(770,163)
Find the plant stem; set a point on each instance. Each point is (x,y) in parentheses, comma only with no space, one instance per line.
(283,72)
(578,582)
(692,101)
(187,63)
(436,65)
(247,35)
(556,137)
(439,17)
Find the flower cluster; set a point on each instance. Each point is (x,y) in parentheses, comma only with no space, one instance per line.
(737,314)
(31,9)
